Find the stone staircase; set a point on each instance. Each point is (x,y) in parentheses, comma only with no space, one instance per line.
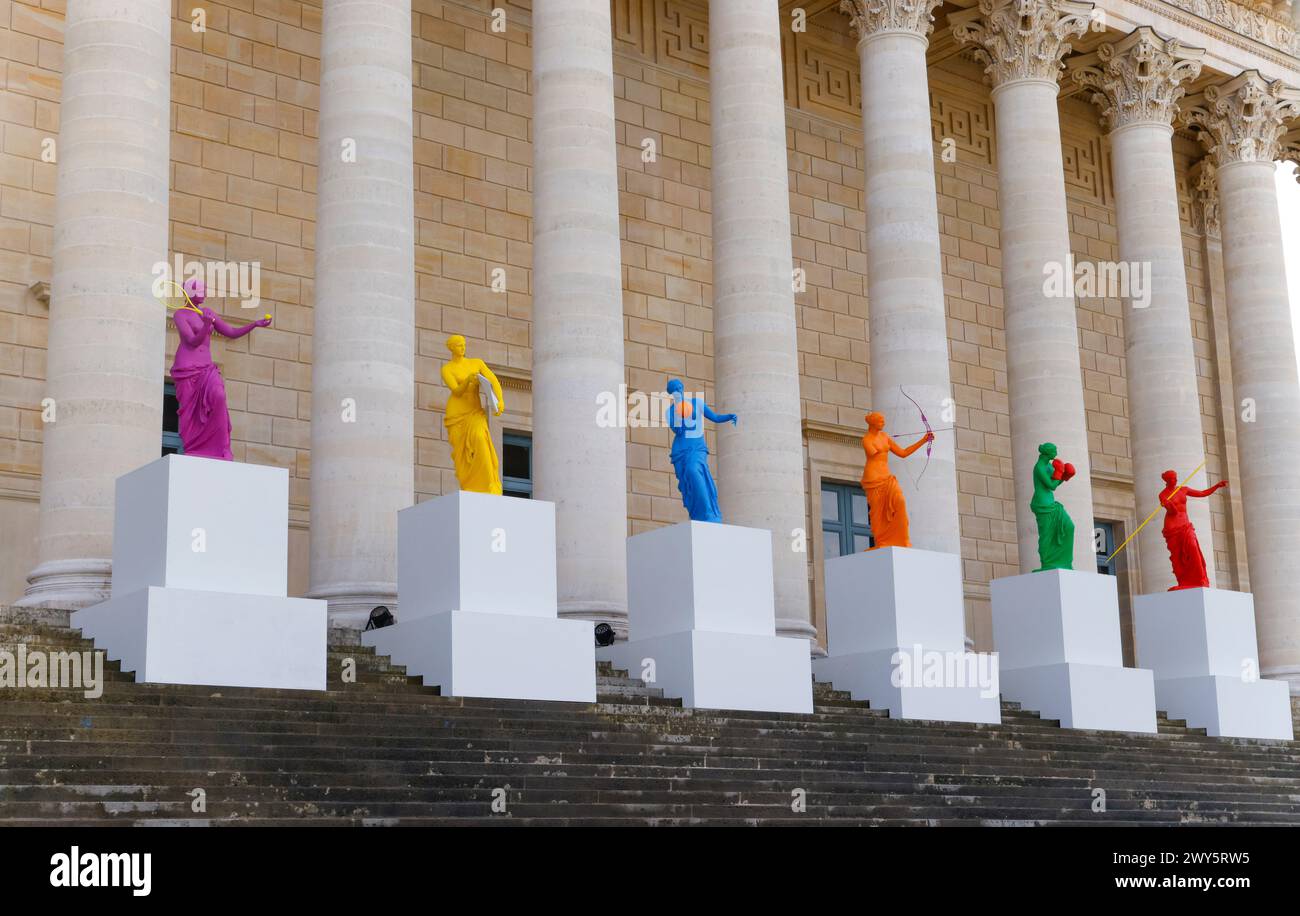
(385,749)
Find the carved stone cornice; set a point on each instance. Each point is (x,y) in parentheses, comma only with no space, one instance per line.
(867,17)
(1138,79)
(832,432)
(1243,119)
(1203,181)
(1021,39)
(1275,30)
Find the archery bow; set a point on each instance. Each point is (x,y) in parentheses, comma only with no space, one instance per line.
(929,445)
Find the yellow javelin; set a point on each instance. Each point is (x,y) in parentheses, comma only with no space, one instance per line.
(1153,513)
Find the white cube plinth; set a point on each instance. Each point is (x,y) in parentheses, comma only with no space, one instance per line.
(225,639)
(895,634)
(701,613)
(708,669)
(894,596)
(1057,636)
(476,552)
(1058,615)
(1200,644)
(700,576)
(477,602)
(202,524)
(200,571)
(511,656)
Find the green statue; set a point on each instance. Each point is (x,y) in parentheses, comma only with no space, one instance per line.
(1055,528)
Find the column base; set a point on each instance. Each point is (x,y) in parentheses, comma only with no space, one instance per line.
(800,629)
(597,612)
(68,584)
(350,604)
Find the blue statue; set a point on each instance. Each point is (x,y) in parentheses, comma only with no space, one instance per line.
(690,455)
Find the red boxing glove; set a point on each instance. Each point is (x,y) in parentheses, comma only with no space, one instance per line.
(1057,468)
(1068,471)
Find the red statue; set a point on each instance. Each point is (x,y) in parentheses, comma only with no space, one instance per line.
(1184,549)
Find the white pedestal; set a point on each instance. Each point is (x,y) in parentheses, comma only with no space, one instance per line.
(476,552)
(1200,644)
(701,611)
(895,628)
(1057,635)
(477,602)
(223,639)
(200,567)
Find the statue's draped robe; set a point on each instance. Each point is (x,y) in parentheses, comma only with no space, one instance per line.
(1184,547)
(888,512)
(690,458)
(1055,527)
(203,415)
(472,451)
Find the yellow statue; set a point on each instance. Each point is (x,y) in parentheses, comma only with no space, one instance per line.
(477,467)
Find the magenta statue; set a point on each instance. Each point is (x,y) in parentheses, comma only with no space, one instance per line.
(200,390)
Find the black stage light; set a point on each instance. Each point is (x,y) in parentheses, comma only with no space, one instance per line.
(604,635)
(380,617)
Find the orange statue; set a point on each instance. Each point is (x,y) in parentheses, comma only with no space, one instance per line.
(884,495)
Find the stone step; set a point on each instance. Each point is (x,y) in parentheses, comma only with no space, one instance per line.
(559,790)
(387,749)
(125,732)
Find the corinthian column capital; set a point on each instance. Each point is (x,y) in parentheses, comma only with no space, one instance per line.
(1021,39)
(871,16)
(1243,119)
(1138,79)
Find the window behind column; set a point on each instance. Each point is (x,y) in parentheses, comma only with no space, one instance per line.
(1103,539)
(845,526)
(171,424)
(517,465)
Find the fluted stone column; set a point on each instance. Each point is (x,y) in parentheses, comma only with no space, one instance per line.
(578,464)
(107,332)
(363,353)
(760,461)
(1138,82)
(909,329)
(1021,42)
(1243,120)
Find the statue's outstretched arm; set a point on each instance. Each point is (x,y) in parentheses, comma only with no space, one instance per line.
(911,449)
(227,330)
(1199,493)
(719,417)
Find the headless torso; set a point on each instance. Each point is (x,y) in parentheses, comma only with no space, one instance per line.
(472,451)
(885,501)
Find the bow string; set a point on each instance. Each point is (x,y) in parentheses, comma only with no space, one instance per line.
(929,445)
